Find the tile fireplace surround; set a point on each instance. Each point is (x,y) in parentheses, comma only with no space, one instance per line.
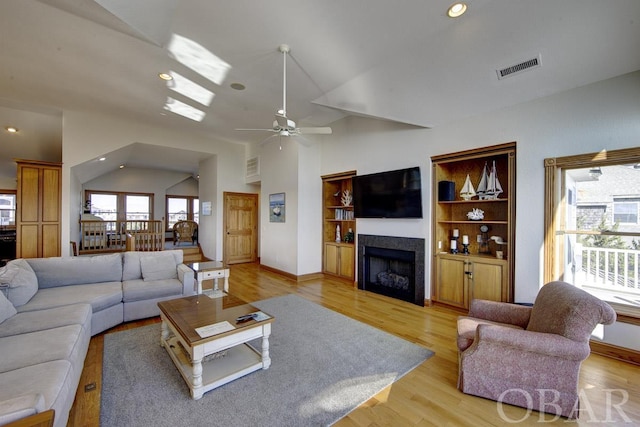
(402,252)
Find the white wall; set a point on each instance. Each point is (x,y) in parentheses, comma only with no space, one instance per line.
(279,172)
(309,209)
(605,115)
(208,230)
(187,187)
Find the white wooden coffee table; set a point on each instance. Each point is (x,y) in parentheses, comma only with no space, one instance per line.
(209,362)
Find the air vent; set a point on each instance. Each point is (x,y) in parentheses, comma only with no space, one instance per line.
(253,169)
(519,68)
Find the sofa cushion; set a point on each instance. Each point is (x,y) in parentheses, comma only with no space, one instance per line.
(7,309)
(138,290)
(51,379)
(467,327)
(158,266)
(40,320)
(55,272)
(20,407)
(65,342)
(131,262)
(99,295)
(19,282)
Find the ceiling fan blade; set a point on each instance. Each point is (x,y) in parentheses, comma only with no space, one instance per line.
(269,139)
(282,125)
(316,131)
(302,140)
(262,130)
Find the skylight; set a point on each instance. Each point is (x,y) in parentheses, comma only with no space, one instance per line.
(185,110)
(198,58)
(190,89)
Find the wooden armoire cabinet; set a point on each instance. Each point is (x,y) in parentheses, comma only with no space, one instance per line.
(38,209)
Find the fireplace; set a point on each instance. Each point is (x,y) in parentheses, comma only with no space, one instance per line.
(392,266)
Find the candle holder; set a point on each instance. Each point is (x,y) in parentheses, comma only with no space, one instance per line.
(465,248)
(454,245)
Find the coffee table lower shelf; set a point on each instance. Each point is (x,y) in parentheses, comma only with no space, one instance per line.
(238,361)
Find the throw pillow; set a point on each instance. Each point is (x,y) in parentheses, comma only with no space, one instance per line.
(158,266)
(20,282)
(7,309)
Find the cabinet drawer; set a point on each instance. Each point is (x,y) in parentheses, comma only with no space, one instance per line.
(212,274)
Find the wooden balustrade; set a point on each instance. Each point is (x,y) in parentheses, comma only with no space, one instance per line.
(116,236)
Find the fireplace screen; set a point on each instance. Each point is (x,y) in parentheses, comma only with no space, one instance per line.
(390,272)
(392,266)
(389,267)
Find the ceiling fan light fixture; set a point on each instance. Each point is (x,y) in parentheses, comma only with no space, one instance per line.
(456,10)
(282,125)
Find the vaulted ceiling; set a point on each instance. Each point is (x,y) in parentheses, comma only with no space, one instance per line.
(402,60)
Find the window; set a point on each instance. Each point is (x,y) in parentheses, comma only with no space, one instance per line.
(116,206)
(137,207)
(180,208)
(592,234)
(625,210)
(7,208)
(104,206)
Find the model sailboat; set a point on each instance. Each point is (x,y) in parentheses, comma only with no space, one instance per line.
(489,187)
(467,191)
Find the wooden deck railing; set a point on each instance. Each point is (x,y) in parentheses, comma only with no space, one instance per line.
(118,236)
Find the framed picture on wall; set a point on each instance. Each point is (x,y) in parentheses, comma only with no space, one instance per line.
(276,207)
(206,208)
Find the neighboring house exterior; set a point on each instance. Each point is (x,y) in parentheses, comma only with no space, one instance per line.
(614,196)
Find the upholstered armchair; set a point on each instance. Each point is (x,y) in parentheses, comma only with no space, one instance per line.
(185,231)
(530,356)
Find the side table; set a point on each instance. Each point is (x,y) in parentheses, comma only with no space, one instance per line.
(211,270)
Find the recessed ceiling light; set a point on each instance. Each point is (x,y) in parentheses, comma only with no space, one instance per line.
(237,86)
(11,129)
(165,76)
(121,166)
(456,10)
(102,159)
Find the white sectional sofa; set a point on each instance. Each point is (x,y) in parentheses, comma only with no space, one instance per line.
(51,307)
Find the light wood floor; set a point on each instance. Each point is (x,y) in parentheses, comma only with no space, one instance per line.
(426,396)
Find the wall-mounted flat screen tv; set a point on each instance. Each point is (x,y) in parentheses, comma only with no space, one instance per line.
(392,194)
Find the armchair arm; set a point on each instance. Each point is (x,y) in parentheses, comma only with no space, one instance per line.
(500,312)
(21,407)
(533,342)
(187,278)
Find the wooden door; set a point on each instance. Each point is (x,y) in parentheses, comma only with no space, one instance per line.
(489,280)
(331,258)
(451,281)
(241,227)
(38,209)
(347,261)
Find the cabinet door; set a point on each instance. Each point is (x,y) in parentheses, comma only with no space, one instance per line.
(331,259)
(347,260)
(488,280)
(450,281)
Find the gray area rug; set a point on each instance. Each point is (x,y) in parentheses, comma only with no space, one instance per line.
(323,365)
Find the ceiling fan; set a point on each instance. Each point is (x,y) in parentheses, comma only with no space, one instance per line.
(282,125)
